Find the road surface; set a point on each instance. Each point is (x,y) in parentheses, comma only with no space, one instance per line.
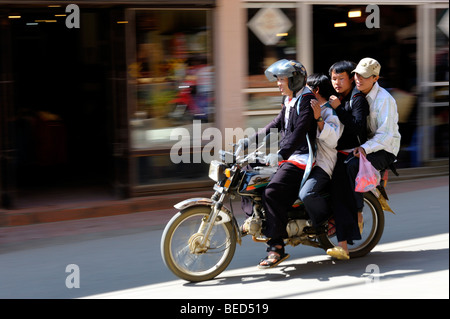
(119,257)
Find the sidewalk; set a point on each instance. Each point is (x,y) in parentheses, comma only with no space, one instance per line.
(93,209)
(163,204)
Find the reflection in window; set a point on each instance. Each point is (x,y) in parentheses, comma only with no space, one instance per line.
(393,44)
(439,93)
(271,37)
(173,75)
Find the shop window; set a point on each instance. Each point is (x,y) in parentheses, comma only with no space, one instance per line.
(349,32)
(271,37)
(439,95)
(173,76)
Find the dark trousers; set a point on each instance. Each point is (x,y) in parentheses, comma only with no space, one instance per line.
(278,196)
(311,195)
(346,203)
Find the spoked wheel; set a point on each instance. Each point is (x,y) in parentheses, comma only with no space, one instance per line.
(187,254)
(373,229)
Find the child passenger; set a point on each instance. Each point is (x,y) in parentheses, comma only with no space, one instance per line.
(352,109)
(329,130)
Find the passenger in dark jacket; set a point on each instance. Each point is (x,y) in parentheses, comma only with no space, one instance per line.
(352,109)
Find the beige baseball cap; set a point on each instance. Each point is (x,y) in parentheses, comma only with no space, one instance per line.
(368,67)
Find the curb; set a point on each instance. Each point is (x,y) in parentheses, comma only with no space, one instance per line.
(418,173)
(93,209)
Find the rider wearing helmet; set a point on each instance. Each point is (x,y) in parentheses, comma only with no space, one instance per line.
(295,120)
(293,70)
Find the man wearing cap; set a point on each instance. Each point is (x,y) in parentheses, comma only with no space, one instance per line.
(383,140)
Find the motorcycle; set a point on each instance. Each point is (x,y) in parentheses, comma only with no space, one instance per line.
(199,242)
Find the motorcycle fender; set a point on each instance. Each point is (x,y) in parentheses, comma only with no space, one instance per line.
(224,213)
(194,202)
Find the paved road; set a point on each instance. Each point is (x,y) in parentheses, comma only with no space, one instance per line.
(119,257)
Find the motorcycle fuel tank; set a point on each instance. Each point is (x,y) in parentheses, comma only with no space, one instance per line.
(256,180)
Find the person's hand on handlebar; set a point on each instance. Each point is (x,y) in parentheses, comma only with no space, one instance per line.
(272,159)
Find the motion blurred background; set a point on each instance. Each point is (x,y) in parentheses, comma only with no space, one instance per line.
(88,112)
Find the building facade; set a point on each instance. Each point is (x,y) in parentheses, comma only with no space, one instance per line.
(109,94)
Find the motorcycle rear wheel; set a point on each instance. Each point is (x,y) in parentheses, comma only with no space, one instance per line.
(179,240)
(373,229)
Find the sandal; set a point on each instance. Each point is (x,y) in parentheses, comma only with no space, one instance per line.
(331,227)
(274,257)
(338,252)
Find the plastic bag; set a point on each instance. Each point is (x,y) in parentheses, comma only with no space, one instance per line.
(368,177)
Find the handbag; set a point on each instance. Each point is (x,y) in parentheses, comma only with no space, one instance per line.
(368,176)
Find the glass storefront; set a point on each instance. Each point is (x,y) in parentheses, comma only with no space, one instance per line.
(142,76)
(439,96)
(172,76)
(271,36)
(388,33)
(347,34)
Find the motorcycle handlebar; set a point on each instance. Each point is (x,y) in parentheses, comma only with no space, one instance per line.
(233,157)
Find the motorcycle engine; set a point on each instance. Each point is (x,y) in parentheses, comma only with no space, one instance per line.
(253,225)
(295,227)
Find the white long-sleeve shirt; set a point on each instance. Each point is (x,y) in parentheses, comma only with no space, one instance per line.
(327,139)
(382,122)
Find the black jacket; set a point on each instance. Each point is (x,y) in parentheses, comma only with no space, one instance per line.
(354,117)
(293,138)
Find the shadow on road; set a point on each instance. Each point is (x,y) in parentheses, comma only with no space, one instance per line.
(391,265)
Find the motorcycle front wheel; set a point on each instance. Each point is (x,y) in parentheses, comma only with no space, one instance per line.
(183,253)
(373,229)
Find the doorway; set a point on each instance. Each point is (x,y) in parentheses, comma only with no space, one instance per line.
(63,125)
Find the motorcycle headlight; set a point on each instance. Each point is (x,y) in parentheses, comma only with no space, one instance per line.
(217,170)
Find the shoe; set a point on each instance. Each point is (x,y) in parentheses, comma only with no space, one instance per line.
(338,252)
